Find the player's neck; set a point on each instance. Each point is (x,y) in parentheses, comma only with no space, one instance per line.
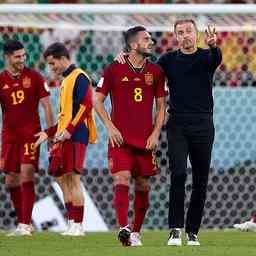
(13,72)
(66,65)
(136,60)
(189,51)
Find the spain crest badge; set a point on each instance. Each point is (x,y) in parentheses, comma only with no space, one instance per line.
(149,79)
(26,82)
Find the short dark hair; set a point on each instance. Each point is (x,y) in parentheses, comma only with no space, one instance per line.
(11,46)
(57,50)
(130,34)
(182,21)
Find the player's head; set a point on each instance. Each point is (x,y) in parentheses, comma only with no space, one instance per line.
(186,33)
(138,40)
(15,55)
(57,57)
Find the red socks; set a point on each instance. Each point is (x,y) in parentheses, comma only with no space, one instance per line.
(15,194)
(28,198)
(121,204)
(141,204)
(68,207)
(77,213)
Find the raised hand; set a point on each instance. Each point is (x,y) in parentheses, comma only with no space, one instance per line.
(120,58)
(211,36)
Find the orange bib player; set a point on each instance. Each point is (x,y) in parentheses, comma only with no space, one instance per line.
(74,130)
(133,135)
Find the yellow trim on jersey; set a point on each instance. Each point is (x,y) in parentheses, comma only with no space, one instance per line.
(66,106)
(78,115)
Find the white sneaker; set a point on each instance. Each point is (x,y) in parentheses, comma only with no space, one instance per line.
(135,239)
(246,226)
(192,239)
(76,229)
(175,237)
(31,228)
(21,230)
(69,225)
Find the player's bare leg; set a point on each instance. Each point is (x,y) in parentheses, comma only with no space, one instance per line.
(141,205)
(77,194)
(121,204)
(63,182)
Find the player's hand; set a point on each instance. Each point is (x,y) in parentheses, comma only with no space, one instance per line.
(42,136)
(211,36)
(115,137)
(152,141)
(65,135)
(120,58)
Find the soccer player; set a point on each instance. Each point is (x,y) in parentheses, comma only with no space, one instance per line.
(21,91)
(133,88)
(190,128)
(74,130)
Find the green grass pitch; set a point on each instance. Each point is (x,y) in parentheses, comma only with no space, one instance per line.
(213,243)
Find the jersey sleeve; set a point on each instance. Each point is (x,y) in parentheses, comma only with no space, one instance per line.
(42,86)
(214,58)
(161,89)
(105,82)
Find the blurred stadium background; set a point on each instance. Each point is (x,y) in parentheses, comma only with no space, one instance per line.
(94,38)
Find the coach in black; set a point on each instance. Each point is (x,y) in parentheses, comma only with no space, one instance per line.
(190,128)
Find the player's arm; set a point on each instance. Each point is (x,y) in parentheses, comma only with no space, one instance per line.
(214,57)
(43,135)
(45,102)
(161,91)
(153,139)
(114,134)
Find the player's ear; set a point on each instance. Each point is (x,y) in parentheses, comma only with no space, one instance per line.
(7,56)
(133,45)
(63,58)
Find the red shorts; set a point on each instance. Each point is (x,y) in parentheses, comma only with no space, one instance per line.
(127,158)
(67,157)
(15,154)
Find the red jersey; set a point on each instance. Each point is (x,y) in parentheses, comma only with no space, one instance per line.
(19,99)
(132,95)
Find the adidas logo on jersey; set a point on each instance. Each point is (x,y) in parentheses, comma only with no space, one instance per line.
(125,79)
(6,86)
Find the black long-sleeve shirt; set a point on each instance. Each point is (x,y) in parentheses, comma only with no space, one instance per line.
(190,78)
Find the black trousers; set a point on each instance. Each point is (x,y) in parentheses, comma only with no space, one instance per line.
(189,136)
